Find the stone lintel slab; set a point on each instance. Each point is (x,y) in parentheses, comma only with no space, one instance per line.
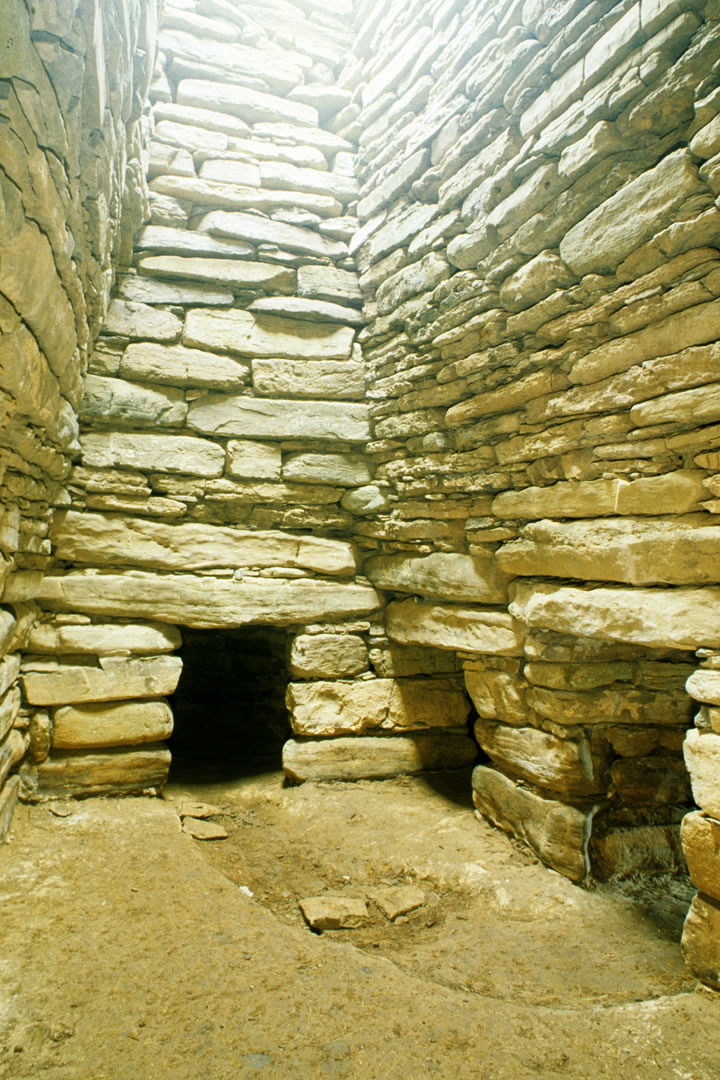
(375,757)
(452,626)
(110,772)
(115,540)
(206,602)
(674,618)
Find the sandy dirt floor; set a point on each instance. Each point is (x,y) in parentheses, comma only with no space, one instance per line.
(130,950)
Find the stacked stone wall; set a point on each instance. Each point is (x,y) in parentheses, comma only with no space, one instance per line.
(72,193)
(538,248)
(222,471)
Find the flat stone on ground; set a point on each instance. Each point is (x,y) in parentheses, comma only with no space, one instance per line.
(333,912)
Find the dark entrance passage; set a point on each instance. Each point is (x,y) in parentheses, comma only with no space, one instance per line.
(229,707)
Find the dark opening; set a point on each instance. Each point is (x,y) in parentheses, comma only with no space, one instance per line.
(229,707)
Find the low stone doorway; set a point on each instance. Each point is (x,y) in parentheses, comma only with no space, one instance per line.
(229,706)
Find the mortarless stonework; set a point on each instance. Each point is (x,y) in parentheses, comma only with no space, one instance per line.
(474,366)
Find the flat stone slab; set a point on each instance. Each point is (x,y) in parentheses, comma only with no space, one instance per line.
(441,576)
(333,912)
(298,307)
(702,757)
(324,380)
(252,106)
(238,273)
(246,334)
(126,723)
(188,242)
(216,194)
(397,900)
(257,230)
(205,602)
(112,539)
(701,845)
(50,682)
(450,626)
(659,618)
(639,551)
(110,772)
(273,418)
(701,940)
(374,757)
(338,707)
(174,365)
(203,830)
(104,639)
(555,831)
(182,454)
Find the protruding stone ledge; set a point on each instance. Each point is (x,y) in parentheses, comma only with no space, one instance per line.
(113,772)
(373,757)
(206,602)
(676,618)
(104,639)
(267,336)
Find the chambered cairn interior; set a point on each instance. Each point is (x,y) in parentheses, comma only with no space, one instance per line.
(369,354)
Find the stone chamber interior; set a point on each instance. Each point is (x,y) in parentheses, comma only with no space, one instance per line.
(389,330)
(229,711)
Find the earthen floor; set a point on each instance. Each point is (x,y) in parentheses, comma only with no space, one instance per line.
(131,950)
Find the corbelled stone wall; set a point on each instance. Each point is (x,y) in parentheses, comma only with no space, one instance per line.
(71,195)
(538,249)
(445,411)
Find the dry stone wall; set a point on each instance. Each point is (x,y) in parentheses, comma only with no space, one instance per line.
(222,431)
(538,248)
(72,193)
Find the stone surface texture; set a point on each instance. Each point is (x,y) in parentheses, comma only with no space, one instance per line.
(429,307)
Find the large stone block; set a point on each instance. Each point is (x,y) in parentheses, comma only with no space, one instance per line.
(51,682)
(104,639)
(704,686)
(639,551)
(375,756)
(344,708)
(576,767)
(174,365)
(269,336)
(701,844)
(345,470)
(673,493)
(126,723)
(630,217)
(256,230)
(701,940)
(556,832)
(659,618)
(702,757)
(327,656)
(236,273)
(127,404)
(252,106)
(111,539)
(448,626)
(274,418)
(206,602)
(182,454)
(441,576)
(113,772)
(327,380)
